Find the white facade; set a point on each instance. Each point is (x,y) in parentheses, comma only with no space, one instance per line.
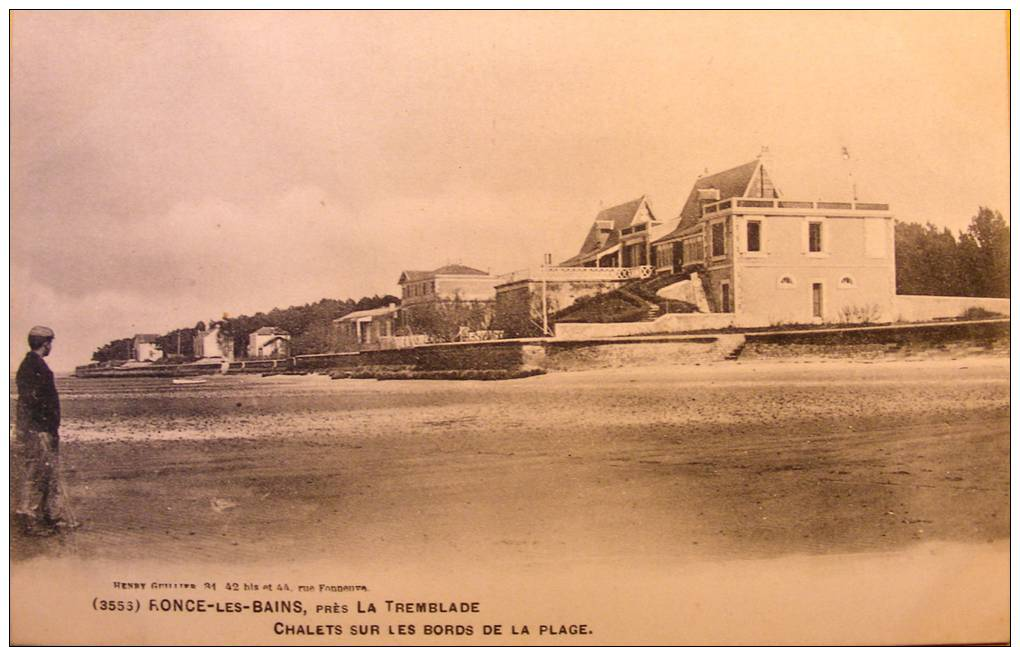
(211,343)
(808,266)
(144,348)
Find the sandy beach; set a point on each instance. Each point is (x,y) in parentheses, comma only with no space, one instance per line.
(657,469)
(675,462)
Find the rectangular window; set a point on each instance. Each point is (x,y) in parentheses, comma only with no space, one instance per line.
(726,305)
(814,236)
(754,236)
(663,256)
(718,240)
(816,299)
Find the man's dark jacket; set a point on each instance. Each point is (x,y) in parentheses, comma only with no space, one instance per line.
(38,402)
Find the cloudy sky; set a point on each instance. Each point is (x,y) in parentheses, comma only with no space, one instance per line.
(172,167)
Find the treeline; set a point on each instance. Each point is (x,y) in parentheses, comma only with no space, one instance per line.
(973,264)
(310,325)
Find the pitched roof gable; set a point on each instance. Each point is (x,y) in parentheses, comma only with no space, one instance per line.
(459,270)
(271,330)
(374,312)
(600,236)
(409,276)
(731,183)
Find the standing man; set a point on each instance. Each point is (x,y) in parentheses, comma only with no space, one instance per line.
(38,421)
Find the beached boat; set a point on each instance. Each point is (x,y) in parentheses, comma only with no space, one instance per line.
(188,380)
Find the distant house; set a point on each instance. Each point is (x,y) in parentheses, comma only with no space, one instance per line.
(269,341)
(450,303)
(447,282)
(620,237)
(144,348)
(368,329)
(213,343)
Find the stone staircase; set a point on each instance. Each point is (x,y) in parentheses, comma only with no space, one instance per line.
(729,347)
(653,313)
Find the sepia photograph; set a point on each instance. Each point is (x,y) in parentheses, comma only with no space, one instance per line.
(509,327)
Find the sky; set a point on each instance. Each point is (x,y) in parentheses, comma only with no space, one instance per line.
(171,167)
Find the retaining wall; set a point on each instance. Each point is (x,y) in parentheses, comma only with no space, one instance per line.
(908,340)
(669,323)
(926,308)
(586,355)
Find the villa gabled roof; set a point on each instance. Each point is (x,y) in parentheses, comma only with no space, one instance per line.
(272,330)
(362,314)
(731,183)
(409,276)
(605,231)
(460,270)
(273,339)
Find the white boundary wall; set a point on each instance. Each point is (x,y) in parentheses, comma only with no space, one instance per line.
(671,323)
(924,308)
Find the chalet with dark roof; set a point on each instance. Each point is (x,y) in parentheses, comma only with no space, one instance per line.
(750,180)
(620,237)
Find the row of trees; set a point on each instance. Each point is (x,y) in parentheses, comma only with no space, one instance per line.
(310,325)
(973,264)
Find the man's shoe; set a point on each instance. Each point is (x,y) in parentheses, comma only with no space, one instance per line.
(65,524)
(40,529)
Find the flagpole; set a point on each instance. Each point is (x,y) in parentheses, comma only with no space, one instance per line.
(850,173)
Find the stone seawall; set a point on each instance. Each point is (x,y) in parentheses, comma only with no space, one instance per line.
(159,370)
(881,342)
(572,355)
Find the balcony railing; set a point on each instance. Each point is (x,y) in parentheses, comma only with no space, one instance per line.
(556,273)
(636,229)
(800,205)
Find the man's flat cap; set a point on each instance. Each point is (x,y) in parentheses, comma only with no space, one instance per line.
(40,331)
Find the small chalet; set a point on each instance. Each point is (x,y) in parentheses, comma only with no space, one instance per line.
(368,329)
(269,341)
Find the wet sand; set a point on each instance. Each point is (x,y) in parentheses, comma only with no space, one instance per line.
(735,502)
(676,463)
